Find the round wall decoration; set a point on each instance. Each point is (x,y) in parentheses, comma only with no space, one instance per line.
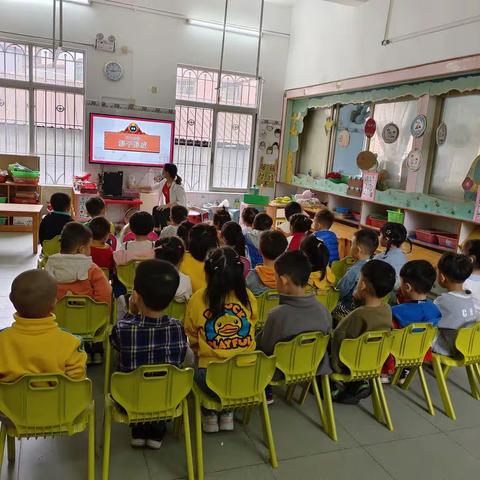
(418,126)
(366,160)
(414,160)
(390,133)
(344,138)
(370,127)
(441,135)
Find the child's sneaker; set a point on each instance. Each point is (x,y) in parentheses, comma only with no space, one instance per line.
(403,376)
(97,358)
(153,444)
(226,421)
(137,442)
(269,395)
(385,378)
(210,422)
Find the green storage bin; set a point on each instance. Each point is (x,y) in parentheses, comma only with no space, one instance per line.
(3,220)
(396,216)
(256,199)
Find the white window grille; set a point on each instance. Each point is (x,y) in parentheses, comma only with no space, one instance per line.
(213,140)
(42,107)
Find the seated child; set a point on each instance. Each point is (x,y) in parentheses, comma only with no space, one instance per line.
(364,244)
(392,235)
(291,208)
(220,322)
(232,236)
(74,269)
(172,249)
(141,222)
(96,207)
(261,223)
(101,251)
(322,222)
(183,232)
(35,343)
(272,244)
(377,279)
(220,218)
(322,277)
(472,250)
(297,312)
(300,225)
(248,215)
(202,238)
(178,214)
(456,305)
(148,336)
(53,222)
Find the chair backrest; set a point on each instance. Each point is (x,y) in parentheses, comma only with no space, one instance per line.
(126,274)
(410,344)
(176,310)
(364,356)
(340,267)
(45,404)
(299,358)
(468,343)
(151,392)
(51,247)
(241,379)
(328,297)
(81,315)
(266,302)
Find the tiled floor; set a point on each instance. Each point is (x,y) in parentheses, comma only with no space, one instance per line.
(421,446)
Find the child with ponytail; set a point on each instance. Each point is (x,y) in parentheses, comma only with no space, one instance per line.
(232,236)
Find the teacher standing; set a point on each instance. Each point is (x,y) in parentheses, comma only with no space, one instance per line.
(171,193)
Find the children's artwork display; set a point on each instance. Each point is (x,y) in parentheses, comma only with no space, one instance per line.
(369,185)
(268,151)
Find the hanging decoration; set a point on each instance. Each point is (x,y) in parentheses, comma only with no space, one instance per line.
(344,138)
(366,160)
(390,133)
(370,127)
(419,125)
(414,160)
(441,134)
(328,125)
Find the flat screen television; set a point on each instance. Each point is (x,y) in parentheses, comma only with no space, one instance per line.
(121,140)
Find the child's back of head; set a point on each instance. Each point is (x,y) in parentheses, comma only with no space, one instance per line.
(379,277)
(262,222)
(291,208)
(272,244)
(293,270)
(453,270)
(317,254)
(141,224)
(201,239)
(178,214)
(417,278)
(183,232)
(471,249)
(60,202)
(100,228)
(220,218)
(323,219)
(95,206)
(170,249)
(392,234)
(75,239)
(248,216)
(365,243)
(33,294)
(233,237)
(300,223)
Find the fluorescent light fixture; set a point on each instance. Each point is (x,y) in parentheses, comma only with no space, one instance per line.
(81,2)
(219,26)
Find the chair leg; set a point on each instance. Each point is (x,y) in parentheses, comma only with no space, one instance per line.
(442,387)
(290,392)
(408,380)
(3,436)
(476,367)
(11,449)
(268,432)
(329,414)
(472,379)
(108,362)
(303,395)
(446,370)
(426,392)
(247,415)
(396,376)
(321,411)
(107,427)
(383,404)
(91,443)
(198,439)
(377,411)
(188,440)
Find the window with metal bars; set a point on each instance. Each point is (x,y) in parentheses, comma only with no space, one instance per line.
(214,134)
(42,107)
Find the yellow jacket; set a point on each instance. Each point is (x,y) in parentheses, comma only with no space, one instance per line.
(195,270)
(214,339)
(38,345)
(327,282)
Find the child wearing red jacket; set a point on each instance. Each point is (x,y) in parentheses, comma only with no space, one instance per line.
(101,251)
(300,226)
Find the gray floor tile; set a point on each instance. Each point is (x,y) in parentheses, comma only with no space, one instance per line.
(431,456)
(468,438)
(254,472)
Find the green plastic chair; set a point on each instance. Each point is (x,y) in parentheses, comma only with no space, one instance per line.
(266,302)
(364,357)
(298,361)
(49,248)
(409,346)
(328,297)
(148,394)
(468,346)
(340,267)
(47,405)
(176,310)
(126,274)
(83,316)
(239,382)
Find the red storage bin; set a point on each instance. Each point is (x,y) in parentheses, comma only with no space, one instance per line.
(428,236)
(376,222)
(198,216)
(449,240)
(26,201)
(356,216)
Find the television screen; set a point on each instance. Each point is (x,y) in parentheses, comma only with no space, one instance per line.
(119,140)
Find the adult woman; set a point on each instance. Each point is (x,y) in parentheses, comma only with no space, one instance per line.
(172,193)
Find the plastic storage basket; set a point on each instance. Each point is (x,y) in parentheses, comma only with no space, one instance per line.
(396,216)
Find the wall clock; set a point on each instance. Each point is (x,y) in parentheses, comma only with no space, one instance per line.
(113,71)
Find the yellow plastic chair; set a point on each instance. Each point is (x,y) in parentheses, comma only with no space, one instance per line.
(47,405)
(88,319)
(328,297)
(266,302)
(149,394)
(468,345)
(49,248)
(176,310)
(409,346)
(364,357)
(340,267)
(126,274)
(239,382)
(298,361)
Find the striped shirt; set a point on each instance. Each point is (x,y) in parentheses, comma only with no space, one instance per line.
(148,341)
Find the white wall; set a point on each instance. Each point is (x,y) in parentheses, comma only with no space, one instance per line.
(331,41)
(157,43)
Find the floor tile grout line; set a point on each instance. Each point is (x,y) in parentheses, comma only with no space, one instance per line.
(379,464)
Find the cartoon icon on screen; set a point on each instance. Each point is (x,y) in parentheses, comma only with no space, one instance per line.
(133,128)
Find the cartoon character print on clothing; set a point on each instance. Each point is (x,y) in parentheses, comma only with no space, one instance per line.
(229,330)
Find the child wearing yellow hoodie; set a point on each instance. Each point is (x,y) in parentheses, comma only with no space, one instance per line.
(322,277)
(272,244)
(35,343)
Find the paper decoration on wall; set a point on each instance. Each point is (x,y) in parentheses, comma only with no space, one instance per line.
(472,180)
(419,125)
(476,212)
(366,160)
(414,160)
(390,133)
(441,135)
(369,185)
(344,138)
(268,151)
(370,127)
(355,186)
(328,125)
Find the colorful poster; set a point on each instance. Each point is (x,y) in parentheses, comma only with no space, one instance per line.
(476,212)
(369,185)
(269,134)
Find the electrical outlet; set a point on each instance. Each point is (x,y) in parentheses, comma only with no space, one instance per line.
(155,90)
